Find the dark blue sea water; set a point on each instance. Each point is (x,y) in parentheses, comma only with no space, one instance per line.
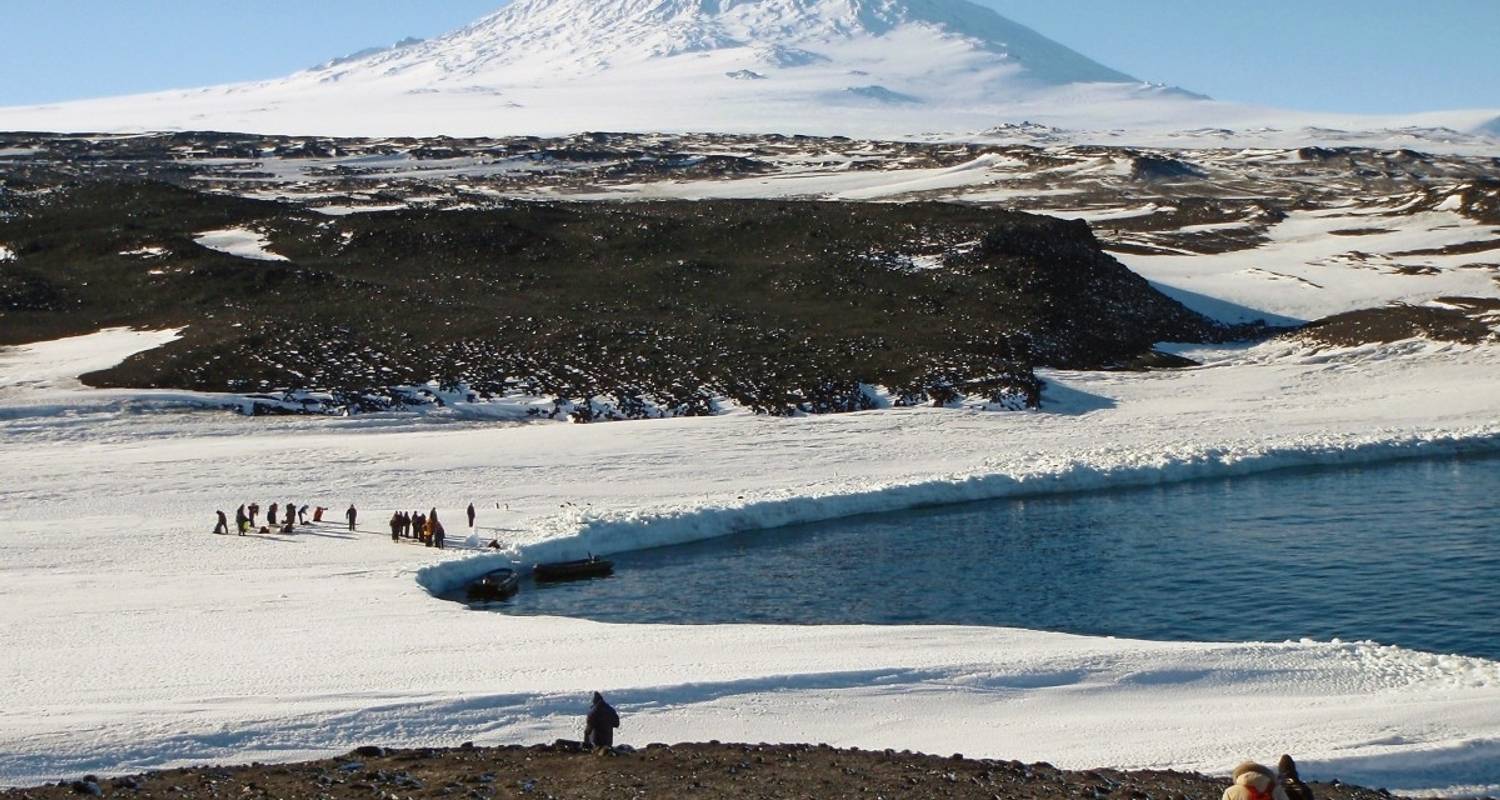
(1405,553)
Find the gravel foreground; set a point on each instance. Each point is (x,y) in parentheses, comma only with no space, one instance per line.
(709,771)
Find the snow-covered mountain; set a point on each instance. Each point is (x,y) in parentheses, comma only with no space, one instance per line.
(854,67)
(902,41)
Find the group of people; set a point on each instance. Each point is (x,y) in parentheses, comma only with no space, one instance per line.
(425,528)
(279,518)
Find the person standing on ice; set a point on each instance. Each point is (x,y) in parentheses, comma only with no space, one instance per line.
(289,513)
(396,527)
(241,519)
(223,526)
(302,515)
(1291,782)
(599,726)
(254,512)
(271,515)
(352,515)
(471,516)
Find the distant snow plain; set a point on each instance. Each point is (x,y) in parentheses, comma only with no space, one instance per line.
(135,640)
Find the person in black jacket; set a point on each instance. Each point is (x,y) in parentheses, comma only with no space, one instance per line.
(471,516)
(271,515)
(352,515)
(1291,783)
(223,526)
(599,727)
(241,520)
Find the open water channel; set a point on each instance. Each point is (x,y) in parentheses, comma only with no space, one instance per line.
(1403,553)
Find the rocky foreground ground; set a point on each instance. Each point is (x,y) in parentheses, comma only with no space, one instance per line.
(707,771)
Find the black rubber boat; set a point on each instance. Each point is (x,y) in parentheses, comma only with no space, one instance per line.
(591,567)
(497,585)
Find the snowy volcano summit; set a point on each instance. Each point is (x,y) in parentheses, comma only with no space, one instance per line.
(917,46)
(857,67)
(864,68)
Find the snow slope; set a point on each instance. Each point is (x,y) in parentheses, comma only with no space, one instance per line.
(194,648)
(1306,271)
(239,242)
(854,67)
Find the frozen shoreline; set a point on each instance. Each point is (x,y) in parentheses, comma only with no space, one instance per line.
(577,534)
(142,642)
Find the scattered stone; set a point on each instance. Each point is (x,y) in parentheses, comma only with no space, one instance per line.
(688,771)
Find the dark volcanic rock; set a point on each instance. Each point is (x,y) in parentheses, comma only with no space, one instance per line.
(1464,320)
(1161,168)
(781,306)
(707,771)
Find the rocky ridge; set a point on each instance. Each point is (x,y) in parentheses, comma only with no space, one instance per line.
(708,771)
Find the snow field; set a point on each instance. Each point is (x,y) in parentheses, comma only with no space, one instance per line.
(36,372)
(239,242)
(141,641)
(1307,272)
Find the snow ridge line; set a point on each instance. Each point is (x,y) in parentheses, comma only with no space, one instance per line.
(578,533)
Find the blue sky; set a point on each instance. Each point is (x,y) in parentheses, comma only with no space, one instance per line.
(1333,55)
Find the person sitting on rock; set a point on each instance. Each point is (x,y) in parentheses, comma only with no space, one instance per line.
(599,726)
(1291,782)
(1253,781)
